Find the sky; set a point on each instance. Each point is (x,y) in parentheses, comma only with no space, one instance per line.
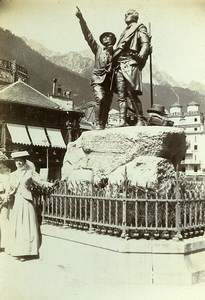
(177,28)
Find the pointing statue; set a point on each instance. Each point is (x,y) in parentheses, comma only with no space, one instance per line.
(101,76)
(129,58)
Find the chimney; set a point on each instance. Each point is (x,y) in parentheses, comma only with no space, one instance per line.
(59,90)
(54,86)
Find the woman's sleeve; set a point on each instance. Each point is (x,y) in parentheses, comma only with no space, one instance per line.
(38,180)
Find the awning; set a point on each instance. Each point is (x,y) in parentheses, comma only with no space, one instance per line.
(55,138)
(18,134)
(38,136)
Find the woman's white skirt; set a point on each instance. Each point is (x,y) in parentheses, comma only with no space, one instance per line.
(24,231)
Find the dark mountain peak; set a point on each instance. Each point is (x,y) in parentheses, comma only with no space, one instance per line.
(41,71)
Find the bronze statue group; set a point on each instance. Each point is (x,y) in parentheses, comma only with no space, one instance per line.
(119,71)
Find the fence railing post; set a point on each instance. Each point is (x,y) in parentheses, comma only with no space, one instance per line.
(91,230)
(177,236)
(124,206)
(65,225)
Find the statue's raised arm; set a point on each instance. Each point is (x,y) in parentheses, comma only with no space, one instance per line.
(86,31)
(101,75)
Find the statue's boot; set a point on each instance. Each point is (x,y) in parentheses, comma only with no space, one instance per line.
(137,105)
(98,115)
(140,121)
(122,114)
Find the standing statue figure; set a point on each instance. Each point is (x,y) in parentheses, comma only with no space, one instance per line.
(129,58)
(101,76)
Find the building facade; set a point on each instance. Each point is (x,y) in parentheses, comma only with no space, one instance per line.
(42,125)
(192,121)
(10,72)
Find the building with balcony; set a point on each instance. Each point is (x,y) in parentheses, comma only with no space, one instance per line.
(192,121)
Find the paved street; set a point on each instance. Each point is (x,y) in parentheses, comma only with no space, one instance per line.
(69,270)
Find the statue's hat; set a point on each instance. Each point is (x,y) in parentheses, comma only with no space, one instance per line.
(159,109)
(107,33)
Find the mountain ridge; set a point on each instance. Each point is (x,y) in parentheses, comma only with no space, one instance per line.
(82,62)
(41,71)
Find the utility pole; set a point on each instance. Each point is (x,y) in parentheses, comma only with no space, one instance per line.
(150,69)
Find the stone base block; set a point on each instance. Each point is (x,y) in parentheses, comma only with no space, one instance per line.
(153,262)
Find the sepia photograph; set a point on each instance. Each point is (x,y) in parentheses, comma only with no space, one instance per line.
(102,138)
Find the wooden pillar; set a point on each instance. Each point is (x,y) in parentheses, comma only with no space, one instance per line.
(68,136)
(3,137)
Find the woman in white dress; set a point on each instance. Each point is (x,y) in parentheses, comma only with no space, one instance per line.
(25,236)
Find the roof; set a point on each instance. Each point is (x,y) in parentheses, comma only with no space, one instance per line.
(22,93)
(64,105)
(193,104)
(176,105)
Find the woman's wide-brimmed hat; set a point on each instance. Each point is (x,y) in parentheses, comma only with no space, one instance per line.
(3,156)
(159,109)
(108,34)
(19,154)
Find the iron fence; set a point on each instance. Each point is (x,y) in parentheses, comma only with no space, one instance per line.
(126,210)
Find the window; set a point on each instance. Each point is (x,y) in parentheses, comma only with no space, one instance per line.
(195,169)
(195,147)
(195,119)
(195,129)
(189,156)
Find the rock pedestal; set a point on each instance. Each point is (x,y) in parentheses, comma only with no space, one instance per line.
(149,153)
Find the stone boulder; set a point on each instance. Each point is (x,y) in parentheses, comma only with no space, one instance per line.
(146,172)
(104,151)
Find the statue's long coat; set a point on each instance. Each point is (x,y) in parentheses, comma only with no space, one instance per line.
(136,41)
